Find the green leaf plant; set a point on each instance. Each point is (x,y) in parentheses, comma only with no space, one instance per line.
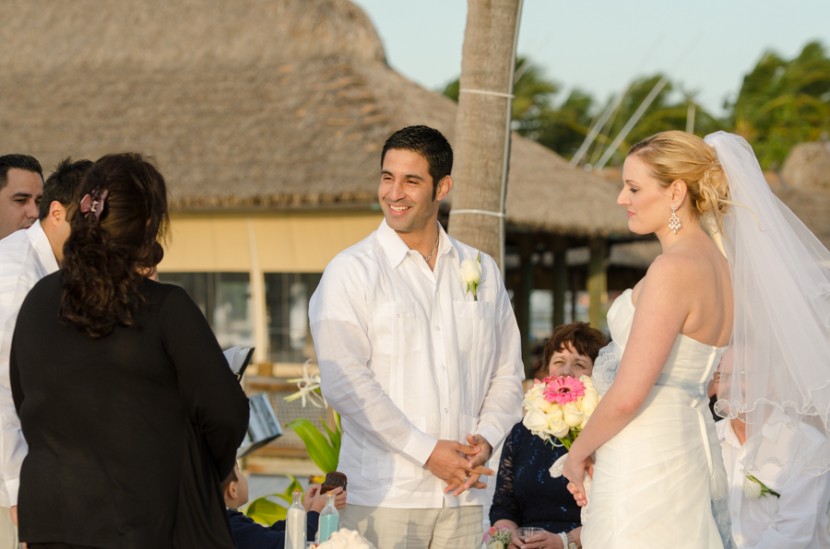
(323,447)
(268,509)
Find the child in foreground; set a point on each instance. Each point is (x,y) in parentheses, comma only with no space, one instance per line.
(247,534)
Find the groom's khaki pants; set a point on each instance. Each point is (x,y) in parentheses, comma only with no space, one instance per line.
(8,531)
(388,528)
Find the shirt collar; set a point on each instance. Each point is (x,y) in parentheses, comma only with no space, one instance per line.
(396,249)
(42,247)
(729,435)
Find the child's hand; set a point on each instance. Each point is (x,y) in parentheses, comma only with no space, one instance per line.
(310,498)
(339,497)
(314,501)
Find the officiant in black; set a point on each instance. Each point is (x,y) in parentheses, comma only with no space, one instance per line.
(130,411)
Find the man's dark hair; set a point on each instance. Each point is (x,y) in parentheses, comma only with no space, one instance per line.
(429,143)
(19,161)
(63,185)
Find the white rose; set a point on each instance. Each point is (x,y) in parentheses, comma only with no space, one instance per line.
(589,402)
(572,415)
(470,271)
(533,396)
(587,382)
(585,418)
(535,421)
(556,424)
(532,401)
(751,489)
(346,539)
(546,406)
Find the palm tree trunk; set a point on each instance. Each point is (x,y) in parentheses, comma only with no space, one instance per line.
(482,126)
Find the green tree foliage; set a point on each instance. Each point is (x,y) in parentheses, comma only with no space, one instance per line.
(782,103)
(564,129)
(669,109)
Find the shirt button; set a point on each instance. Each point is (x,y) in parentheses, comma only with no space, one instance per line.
(437,328)
(446,411)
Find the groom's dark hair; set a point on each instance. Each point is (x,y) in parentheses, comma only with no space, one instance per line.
(429,143)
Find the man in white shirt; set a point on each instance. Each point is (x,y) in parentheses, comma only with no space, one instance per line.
(21,186)
(424,368)
(782,505)
(26,256)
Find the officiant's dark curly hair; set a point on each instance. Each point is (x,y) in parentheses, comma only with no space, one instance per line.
(113,243)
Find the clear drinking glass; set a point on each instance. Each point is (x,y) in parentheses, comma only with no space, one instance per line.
(526,532)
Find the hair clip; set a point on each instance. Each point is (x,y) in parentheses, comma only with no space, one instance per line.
(94,202)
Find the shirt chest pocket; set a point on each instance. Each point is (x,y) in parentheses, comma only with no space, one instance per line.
(396,328)
(474,327)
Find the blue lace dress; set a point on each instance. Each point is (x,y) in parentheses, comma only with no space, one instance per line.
(525,492)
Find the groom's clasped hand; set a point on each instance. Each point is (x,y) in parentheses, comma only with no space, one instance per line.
(460,465)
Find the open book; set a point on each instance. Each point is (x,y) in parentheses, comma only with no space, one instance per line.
(238,358)
(263,426)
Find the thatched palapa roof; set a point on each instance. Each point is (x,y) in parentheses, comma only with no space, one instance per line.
(246,105)
(808,166)
(805,186)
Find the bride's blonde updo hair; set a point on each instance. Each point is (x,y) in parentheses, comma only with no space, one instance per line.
(674,155)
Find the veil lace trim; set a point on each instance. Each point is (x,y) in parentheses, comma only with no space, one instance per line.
(777,370)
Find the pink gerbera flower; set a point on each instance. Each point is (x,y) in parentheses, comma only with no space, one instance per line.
(563,389)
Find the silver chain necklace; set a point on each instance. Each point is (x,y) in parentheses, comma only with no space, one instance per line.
(427,258)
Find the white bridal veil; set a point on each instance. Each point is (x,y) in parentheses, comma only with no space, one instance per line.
(780,354)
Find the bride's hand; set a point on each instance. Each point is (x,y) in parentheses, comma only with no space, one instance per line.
(575,471)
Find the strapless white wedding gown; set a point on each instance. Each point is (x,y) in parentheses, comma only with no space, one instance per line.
(655,481)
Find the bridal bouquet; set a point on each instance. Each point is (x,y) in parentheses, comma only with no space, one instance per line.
(557,408)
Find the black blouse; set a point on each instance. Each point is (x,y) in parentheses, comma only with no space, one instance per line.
(105,419)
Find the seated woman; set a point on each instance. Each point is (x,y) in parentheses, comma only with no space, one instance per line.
(526,495)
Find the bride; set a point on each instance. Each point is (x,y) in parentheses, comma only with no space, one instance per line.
(658,477)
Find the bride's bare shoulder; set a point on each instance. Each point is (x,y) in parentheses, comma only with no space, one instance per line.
(674,273)
(675,264)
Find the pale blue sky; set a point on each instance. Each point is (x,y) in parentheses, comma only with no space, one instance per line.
(705,46)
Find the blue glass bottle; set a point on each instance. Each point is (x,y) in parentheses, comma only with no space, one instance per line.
(329,519)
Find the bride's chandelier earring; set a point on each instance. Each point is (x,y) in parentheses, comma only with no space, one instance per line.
(674,221)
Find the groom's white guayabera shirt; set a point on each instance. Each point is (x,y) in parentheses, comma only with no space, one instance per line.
(800,517)
(407,357)
(25,257)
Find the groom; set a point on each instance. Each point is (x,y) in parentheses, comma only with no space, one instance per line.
(424,368)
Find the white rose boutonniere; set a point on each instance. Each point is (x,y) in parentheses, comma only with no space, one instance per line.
(754,488)
(471,275)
